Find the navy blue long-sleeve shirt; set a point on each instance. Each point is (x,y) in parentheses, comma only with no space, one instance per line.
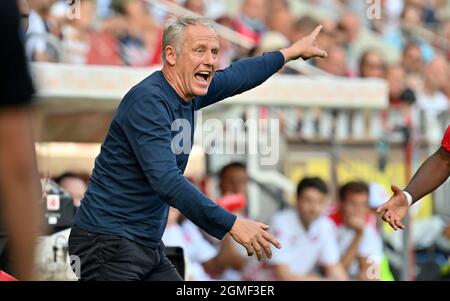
(137,175)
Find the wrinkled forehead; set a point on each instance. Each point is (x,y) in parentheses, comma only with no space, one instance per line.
(201,34)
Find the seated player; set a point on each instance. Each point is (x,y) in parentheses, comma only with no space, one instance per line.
(308,237)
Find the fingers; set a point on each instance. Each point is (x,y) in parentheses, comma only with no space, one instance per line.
(399,224)
(259,245)
(258,250)
(382,208)
(266,247)
(395,189)
(270,238)
(316,31)
(318,52)
(393,224)
(393,221)
(263,226)
(321,53)
(249,248)
(387,217)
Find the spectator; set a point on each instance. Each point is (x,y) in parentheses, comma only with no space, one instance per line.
(103,10)
(74,185)
(350,25)
(227,52)
(431,99)
(395,77)
(104,43)
(233,179)
(360,245)
(446,34)
(413,65)
(302,27)
(137,44)
(275,6)
(197,251)
(271,41)
(281,21)
(372,64)
(39,33)
(251,20)
(232,259)
(76,34)
(335,63)
(410,19)
(196,6)
(307,237)
(412,60)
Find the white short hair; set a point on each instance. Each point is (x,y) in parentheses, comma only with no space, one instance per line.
(174,29)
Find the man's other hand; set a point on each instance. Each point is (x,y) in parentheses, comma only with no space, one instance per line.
(254,237)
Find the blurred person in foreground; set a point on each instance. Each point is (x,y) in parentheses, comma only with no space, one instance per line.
(310,249)
(431,174)
(19,180)
(138,174)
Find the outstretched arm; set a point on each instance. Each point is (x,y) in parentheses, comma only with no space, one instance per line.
(433,172)
(249,73)
(431,175)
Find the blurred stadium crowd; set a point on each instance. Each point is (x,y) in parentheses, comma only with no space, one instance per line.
(323,236)
(406,43)
(408,46)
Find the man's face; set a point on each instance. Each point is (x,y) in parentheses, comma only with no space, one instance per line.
(412,59)
(373,66)
(311,204)
(255,9)
(355,206)
(234,181)
(197,6)
(396,81)
(197,60)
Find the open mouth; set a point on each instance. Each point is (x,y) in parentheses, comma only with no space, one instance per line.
(203,76)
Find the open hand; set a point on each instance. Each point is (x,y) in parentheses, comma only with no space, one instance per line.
(254,237)
(395,209)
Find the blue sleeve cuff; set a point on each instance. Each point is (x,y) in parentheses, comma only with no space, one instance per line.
(227,222)
(275,60)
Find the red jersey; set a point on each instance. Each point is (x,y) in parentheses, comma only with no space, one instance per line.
(446,140)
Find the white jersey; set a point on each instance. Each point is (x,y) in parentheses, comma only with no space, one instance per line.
(196,249)
(303,249)
(370,246)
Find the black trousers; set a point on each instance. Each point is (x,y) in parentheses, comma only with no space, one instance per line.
(114,258)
